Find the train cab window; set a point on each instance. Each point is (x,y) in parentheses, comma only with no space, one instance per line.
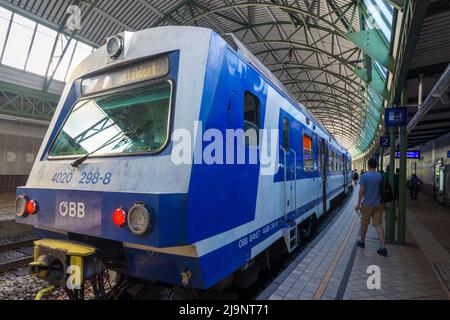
(251,119)
(308,155)
(286,134)
(126,122)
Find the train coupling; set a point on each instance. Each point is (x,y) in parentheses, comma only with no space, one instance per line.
(66,264)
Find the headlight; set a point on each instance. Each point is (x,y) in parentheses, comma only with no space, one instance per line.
(21,206)
(139,219)
(114,47)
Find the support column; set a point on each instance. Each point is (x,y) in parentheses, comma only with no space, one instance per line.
(390,221)
(381,159)
(402,179)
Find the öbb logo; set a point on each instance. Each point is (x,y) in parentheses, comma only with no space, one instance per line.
(72,209)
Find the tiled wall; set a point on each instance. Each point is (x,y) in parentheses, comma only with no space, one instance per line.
(17,154)
(19,145)
(9,183)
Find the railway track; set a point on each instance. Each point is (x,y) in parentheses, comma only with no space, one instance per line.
(16,254)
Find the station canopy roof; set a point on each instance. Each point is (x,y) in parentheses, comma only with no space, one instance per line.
(332,55)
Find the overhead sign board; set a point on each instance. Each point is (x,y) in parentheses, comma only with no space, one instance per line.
(396,117)
(448,154)
(385,141)
(410,155)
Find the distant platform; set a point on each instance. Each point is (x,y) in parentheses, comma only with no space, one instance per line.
(333,268)
(7,200)
(8,227)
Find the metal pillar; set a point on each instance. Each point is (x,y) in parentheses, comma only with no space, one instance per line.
(381,159)
(402,179)
(390,223)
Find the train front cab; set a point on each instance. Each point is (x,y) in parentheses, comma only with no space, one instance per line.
(95,166)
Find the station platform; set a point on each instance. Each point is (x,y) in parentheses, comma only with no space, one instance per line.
(333,268)
(7,200)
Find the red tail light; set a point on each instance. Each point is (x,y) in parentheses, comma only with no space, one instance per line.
(120,217)
(32,207)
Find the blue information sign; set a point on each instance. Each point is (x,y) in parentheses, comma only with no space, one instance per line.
(385,141)
(448,154)
(410,155)
(396,117)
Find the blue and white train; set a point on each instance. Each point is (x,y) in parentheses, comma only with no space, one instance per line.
(105,184)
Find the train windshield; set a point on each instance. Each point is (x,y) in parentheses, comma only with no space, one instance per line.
(132,121)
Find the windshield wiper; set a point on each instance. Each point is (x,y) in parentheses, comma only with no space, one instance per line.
(116,138)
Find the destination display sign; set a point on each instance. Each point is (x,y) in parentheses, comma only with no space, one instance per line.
(409,155)
(396,117)
(144,71)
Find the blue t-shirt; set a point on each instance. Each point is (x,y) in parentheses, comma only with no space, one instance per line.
(371,181)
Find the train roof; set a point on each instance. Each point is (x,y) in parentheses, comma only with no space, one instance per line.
(98,60)
(238,46)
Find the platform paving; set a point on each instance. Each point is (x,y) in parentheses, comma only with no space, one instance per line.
(335,269)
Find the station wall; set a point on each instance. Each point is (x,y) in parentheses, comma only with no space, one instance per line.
(425,167)
(19,145)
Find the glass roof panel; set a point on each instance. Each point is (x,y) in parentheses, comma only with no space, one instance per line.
(65,57)
(5,16)
(16,49)
(381,17)
(82,52)
(31,47)
(41,50)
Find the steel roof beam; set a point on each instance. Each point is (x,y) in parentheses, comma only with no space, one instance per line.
(300,66)
(294,9)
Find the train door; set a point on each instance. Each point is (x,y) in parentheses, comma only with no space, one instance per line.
(347,178)
(289,158)
(344,171)
(323,171)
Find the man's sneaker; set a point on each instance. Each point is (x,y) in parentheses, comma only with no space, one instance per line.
(361,244)
(383,252)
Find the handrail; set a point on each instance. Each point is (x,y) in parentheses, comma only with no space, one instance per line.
(284,185)
(295,179)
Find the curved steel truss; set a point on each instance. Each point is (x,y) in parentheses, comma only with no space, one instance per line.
(331,54)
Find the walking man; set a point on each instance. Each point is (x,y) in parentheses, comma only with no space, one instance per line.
(370,205)
(415,186)
(355,178)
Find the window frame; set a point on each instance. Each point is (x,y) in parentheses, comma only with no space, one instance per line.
(313,168)
(258,118)
(144,84)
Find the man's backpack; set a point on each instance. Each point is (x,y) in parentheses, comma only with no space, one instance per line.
(387,194)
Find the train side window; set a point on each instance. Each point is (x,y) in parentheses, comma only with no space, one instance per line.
(251,119)
(308,155)
(286,134)
(331,157)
